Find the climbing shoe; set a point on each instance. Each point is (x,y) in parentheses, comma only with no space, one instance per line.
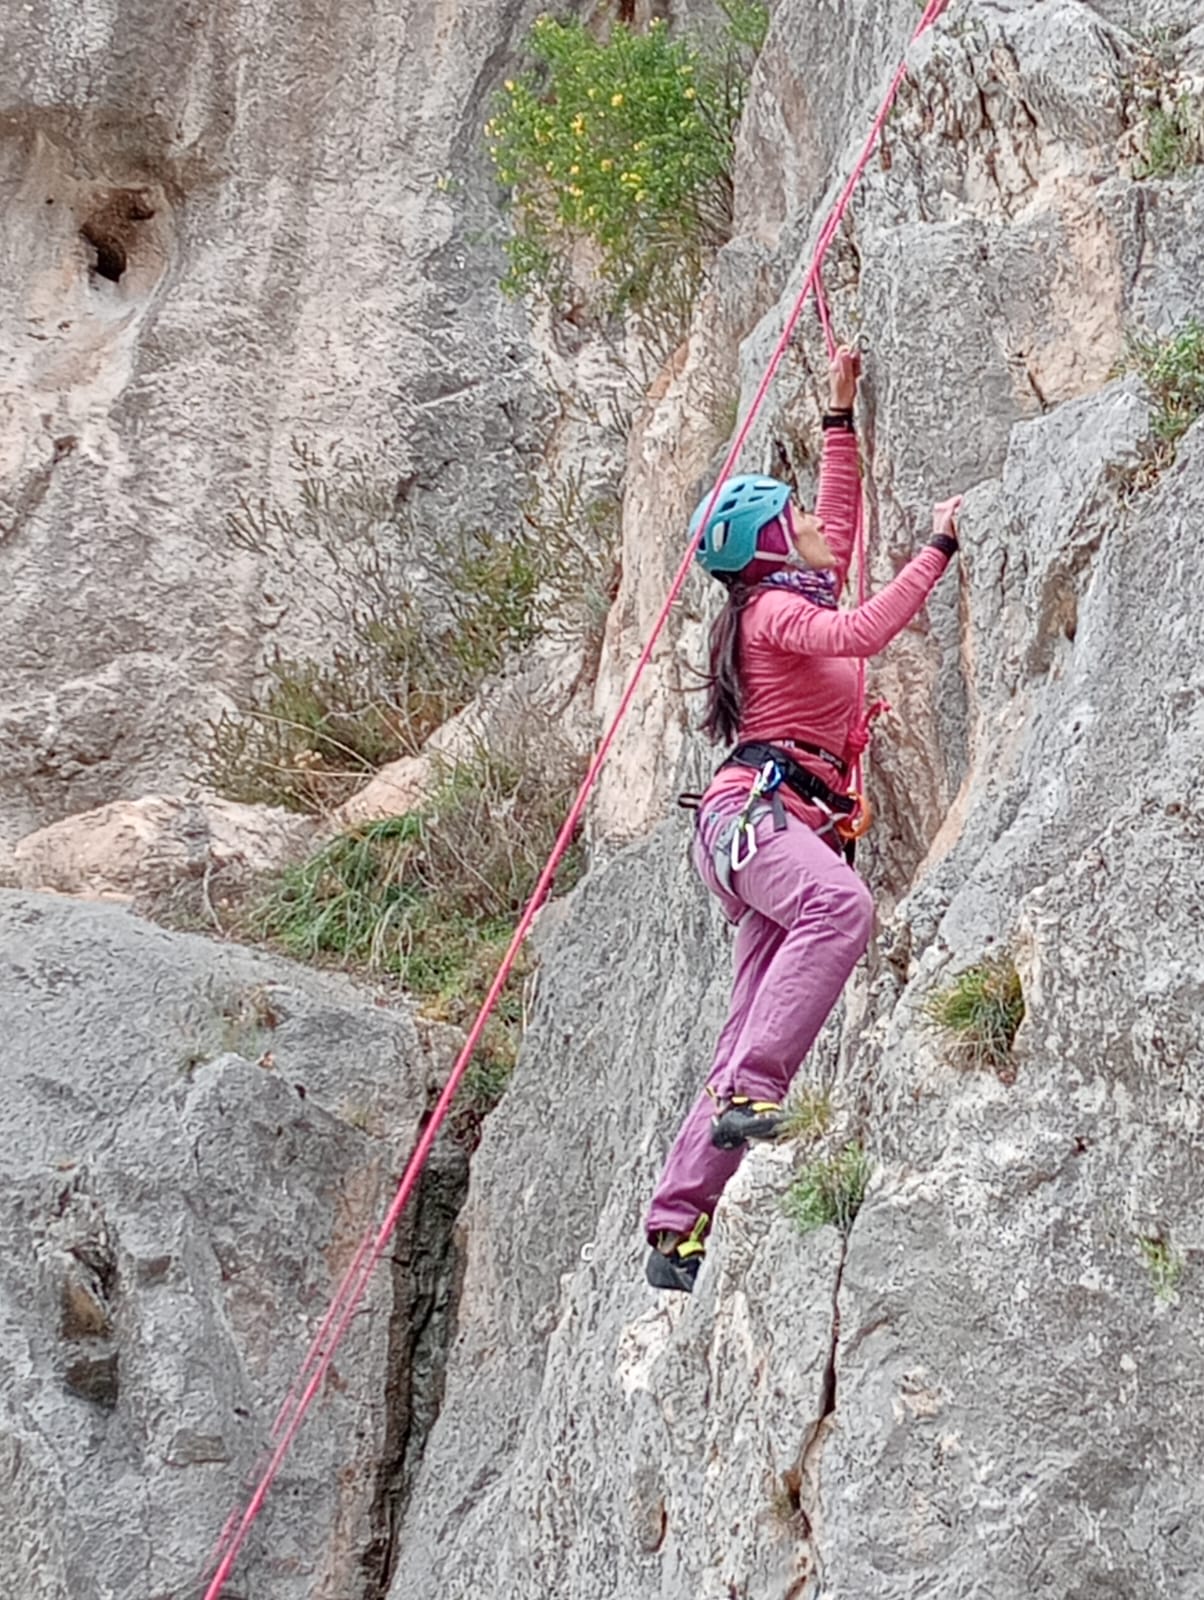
(743,1119)
(673,1261)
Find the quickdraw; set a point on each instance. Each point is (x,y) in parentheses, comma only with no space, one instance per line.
(767,781)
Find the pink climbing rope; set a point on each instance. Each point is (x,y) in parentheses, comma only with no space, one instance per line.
(355,1281)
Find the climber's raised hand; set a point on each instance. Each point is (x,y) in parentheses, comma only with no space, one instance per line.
(844,369)
(944,517)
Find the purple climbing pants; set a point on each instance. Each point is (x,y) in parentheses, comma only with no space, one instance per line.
(804,920)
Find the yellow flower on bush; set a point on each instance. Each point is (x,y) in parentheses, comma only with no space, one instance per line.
(589,93)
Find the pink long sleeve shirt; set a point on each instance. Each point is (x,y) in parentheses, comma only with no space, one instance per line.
(799,661)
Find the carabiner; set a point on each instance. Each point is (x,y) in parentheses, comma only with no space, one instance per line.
(767,780)
(744,826)
(859,821)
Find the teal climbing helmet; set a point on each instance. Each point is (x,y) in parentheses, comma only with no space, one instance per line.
(743,506)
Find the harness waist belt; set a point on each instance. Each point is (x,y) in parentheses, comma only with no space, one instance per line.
(805,784)
(818,750)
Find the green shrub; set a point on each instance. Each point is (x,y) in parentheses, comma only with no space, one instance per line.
(979,1013)
(433,897)
(406,659)
(623,143)
(829,1190)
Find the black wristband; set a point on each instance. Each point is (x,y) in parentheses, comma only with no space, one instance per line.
(842,419)
(945,542)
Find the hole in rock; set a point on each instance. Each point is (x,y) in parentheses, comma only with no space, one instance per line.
(111,229)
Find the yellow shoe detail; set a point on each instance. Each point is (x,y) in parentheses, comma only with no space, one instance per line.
(694,1244)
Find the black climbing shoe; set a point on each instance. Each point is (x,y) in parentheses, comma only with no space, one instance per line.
(743,1119)
(673,1262)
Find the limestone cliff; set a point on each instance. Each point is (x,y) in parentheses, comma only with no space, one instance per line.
(234,223)
(227,227)
(980,1394)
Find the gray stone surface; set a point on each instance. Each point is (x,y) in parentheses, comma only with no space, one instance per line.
(983,1396)
(301,243)
(1002,1362)
(980,1396)
(193,1140)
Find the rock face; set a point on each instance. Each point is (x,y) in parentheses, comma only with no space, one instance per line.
(191,1146)
(990,1388)
(227,227)
(144,849)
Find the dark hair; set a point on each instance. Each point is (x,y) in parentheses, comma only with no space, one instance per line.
(723,691)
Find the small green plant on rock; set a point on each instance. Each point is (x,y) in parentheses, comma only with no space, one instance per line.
(241,1024)
(1164,1265)
(1173,139)
(1173,369)
(622,144)
(829,1189)
(808,1114)
(979,1012)
(1169,127)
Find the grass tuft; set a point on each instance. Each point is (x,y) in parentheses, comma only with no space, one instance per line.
(829,1190)
(1173,139)
(1173,370)
(979,1013)
(808,1114)
(1164,1265)
(432,897)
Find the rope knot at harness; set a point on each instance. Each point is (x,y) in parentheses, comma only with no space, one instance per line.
(862,731)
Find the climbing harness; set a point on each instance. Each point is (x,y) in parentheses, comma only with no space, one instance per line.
(761,754)
(350,1292)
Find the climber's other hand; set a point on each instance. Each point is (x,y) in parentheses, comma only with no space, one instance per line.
(944,517)
(843,372)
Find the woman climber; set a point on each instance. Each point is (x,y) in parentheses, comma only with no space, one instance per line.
(784,685)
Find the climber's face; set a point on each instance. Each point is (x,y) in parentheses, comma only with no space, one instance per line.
(807,534)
